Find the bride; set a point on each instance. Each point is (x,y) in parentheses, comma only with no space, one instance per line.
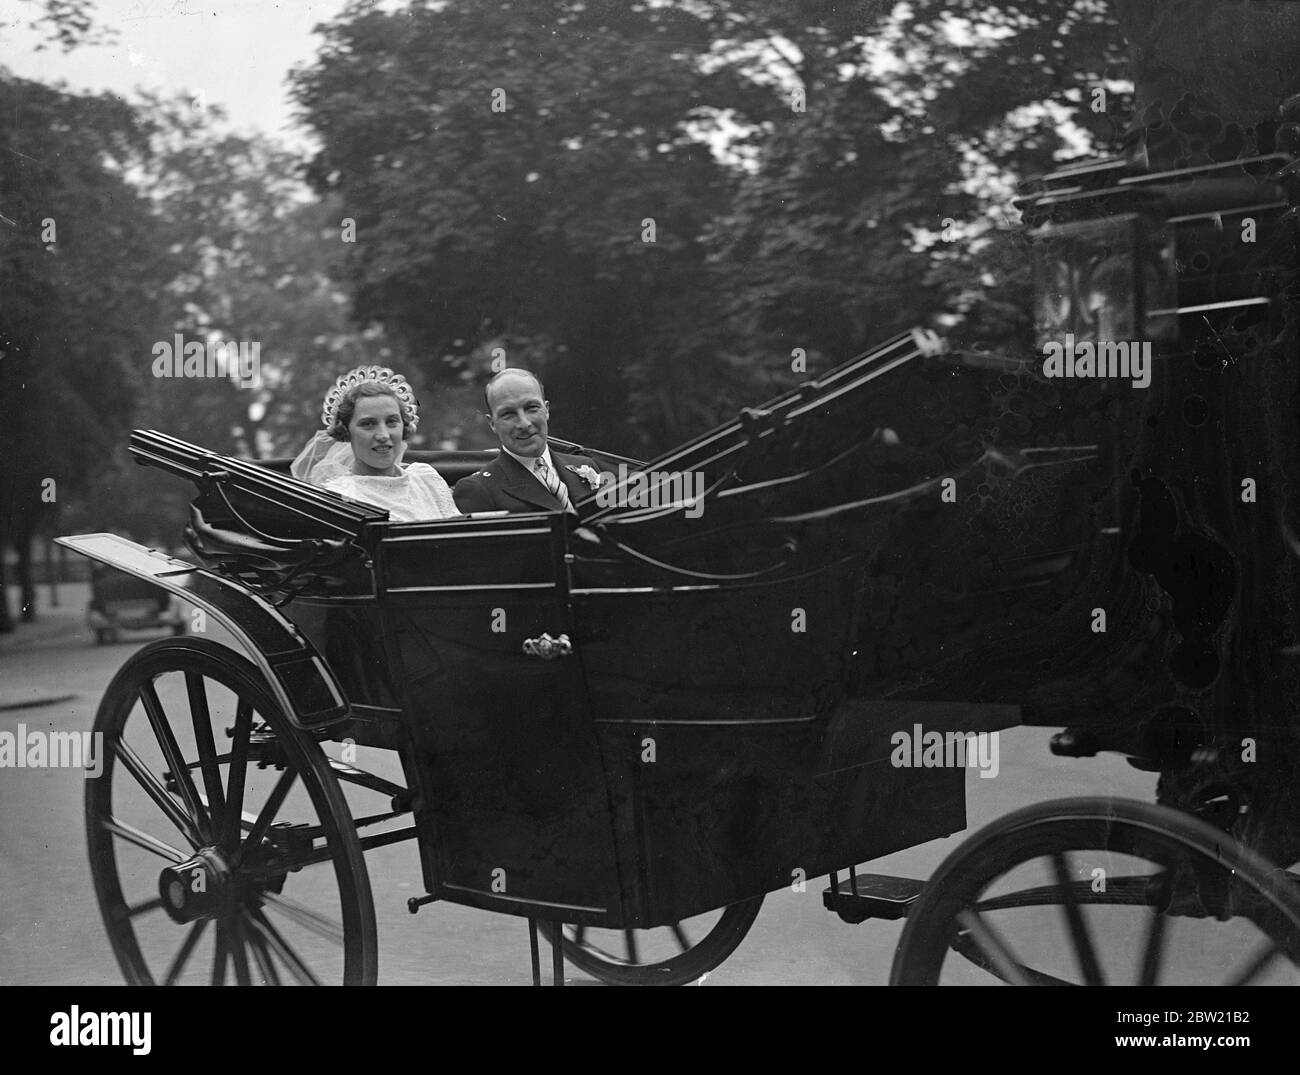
(368,415)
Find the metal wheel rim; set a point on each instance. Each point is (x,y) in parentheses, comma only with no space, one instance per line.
(248,940)
(695,960)
(936,929)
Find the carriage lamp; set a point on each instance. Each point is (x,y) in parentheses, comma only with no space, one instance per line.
(1096,279)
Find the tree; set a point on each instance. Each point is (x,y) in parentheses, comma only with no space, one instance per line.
(509,192)
(214,238)
(259,255)
(81,269)
(70,23)
(797,182)
(888,202)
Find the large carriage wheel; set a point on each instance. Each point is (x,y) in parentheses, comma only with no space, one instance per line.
(1090,891)
(221,846)
(669,955)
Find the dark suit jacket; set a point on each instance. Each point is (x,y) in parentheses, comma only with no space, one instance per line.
(505,485)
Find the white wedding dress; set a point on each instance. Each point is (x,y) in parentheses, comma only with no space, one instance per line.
(418,494)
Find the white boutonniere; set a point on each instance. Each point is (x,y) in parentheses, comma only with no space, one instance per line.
(586,474)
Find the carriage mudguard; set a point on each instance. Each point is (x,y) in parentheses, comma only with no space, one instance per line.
(298,678)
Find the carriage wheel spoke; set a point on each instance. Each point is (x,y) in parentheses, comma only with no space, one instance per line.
(125,914)
(142,907)
(306,917)
(1122,891)
(238,771)
(988,941)
(262,956)
(176,763)
(965,945)
(629,938)
(153,787)
(1154,950)
(201,718)
(683,942)
(269,809)
(132,835)
(240,957)
(278,945)
(191,939)
(219,957)
(1265,954)
(1083,947)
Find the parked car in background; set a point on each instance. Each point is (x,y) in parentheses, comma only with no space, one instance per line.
(119,601)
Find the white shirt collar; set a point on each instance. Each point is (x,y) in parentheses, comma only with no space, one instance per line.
(529,463)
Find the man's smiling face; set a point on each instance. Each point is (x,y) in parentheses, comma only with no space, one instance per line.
(519,414)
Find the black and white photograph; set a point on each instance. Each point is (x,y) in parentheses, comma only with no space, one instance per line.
(651,492)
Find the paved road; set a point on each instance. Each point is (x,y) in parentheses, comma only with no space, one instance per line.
(50,930)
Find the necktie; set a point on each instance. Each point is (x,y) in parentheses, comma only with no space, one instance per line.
(552,482)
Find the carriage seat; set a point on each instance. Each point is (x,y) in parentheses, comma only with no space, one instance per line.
(452,465)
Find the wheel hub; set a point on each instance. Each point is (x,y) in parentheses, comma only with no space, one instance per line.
(196,888)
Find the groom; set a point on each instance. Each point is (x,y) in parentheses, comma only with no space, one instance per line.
(527,475)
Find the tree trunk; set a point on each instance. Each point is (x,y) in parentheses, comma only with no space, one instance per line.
(26,584)
(6,620)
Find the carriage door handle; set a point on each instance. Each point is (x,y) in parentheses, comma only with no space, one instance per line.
(548,648)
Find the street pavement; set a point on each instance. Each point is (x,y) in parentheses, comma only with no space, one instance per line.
(50,928)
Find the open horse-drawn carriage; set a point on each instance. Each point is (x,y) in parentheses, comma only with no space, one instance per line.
(630,724)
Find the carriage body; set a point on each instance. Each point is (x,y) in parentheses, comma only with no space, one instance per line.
(615,785)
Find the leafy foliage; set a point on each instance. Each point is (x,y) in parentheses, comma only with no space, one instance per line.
(799,161)
(477,226)
(122,228)
(69,23)
(80,264)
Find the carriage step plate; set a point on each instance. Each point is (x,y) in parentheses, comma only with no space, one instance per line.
(872,895)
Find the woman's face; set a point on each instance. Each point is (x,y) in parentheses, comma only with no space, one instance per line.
(376,435)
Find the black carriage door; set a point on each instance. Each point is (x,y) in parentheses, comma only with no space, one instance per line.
(516,811)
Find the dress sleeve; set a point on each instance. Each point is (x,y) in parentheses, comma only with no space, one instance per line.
(440,492)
